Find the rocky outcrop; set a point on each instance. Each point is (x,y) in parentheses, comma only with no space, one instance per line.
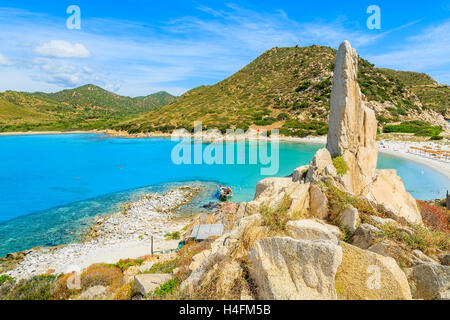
(349,218)
(445,259)
(352,126)
(246,230)
(321,166)
(365,236)
(270,192)
(198,259)
(367,275)
(94,293)
(388,190)
(307,229)
(300,173)
(429,281)
(317,202)
(286,269)
(146,283)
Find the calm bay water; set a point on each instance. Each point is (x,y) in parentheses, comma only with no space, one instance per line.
(51,186)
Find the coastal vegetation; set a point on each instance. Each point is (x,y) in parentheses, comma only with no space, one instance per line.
(419,128)
(175,235)
(340,165)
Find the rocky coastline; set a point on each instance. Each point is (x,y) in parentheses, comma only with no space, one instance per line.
(153,215)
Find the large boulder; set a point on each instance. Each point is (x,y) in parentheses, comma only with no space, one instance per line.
(352,126)
(365,236)
(94,293)
(299,174)
(308,229)
(283,268)
(429,281)
(418,257)
(367,275)
(198,259)
(299,197)
(445,259)
(318,203)
(146,283)
(387,189)
(270,192)
(349,218)
(321,166)
(267,187)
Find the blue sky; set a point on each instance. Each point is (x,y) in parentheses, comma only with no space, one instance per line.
(140,47)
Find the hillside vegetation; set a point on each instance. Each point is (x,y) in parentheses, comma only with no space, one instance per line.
(286,88)
(431,94)
(83,108)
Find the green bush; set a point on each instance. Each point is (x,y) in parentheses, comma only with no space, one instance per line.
(340,165)
(298,106)
(4,278)
(167,288)
(436,138)
(173,235)
(303,86)
(419,128)
(36,288)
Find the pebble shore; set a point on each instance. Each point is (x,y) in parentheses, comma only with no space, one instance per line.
(152,215)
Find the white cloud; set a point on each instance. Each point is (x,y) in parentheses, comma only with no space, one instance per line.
(4,61)
(63,49)
(66,73)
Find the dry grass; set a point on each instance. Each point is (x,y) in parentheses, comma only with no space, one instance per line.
(276,219)
(62,292)
(125,292)
(185,258)
(338,200)
(422,238)
(101,274)
(429,242)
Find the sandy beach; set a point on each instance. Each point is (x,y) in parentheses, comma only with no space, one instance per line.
(400,149)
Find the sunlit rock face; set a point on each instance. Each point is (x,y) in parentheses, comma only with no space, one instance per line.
(352,126)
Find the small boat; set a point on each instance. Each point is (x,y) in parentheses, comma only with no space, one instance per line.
(225,193)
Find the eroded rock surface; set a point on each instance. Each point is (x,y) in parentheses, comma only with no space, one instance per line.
(367,275)
(288,269)
(352,126)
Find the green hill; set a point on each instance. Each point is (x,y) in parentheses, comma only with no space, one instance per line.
(431,94)
(436,97)
(83,108)
(286,88)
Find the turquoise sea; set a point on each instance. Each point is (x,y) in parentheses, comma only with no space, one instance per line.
(52,186)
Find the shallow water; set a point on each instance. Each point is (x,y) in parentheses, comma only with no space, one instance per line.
(51,186)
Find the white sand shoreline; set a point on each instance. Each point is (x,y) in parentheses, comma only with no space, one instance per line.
(439,166)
